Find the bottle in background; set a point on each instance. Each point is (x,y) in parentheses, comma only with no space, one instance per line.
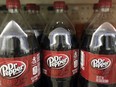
(3,12)
(41,17)
(95,13)
(35,20)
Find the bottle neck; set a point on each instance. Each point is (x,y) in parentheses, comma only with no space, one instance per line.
(13,10)
(105,9)
(37,12)
(96,10)
(59,10)
(31,11)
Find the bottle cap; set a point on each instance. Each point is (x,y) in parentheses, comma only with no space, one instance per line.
(37,7)
(96,6)
(66,7)
(13,4)
(105,3)
(59,5)
(31,6)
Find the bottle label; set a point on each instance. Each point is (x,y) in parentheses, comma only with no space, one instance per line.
(20,71)
(60,64)
(98,68)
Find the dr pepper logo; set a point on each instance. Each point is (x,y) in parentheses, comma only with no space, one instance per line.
(58,61)
(12,69)
(101,63)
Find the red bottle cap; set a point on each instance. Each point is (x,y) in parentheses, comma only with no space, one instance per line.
(96,6)
(37,7)
(66,7)
(105,3)
(13,4)
(59,5)
(31,6)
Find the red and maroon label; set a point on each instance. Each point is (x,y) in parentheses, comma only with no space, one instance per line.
(19,72)
(60,64)
(98,68)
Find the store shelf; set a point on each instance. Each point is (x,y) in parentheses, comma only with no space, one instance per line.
(51,1)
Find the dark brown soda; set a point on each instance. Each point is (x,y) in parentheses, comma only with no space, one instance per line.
(19,46)
(102,50)
(60,45)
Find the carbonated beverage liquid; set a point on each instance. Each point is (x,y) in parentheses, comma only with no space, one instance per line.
(98,50)
(60,51)
(19,51)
